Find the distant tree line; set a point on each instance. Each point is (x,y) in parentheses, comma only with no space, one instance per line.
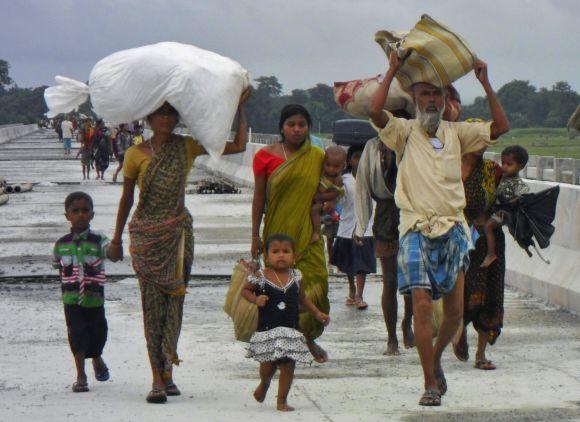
(525,105)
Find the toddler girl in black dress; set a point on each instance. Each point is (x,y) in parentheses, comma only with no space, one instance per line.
(277,343)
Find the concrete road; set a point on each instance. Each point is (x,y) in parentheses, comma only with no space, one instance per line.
(538,353)
(538,359)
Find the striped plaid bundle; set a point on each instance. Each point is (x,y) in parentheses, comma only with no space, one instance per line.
(433,53)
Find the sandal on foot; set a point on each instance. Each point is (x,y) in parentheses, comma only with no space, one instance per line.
(441,382)
(430,397)
(350,301)
(80,387)
(485,365)
(102,374)
(172,390)
(156,395)
(361,305)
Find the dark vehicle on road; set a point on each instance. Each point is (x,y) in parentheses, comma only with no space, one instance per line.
(349,132)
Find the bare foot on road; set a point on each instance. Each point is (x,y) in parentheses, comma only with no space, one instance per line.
(408,335)
(260,392)
(392,349)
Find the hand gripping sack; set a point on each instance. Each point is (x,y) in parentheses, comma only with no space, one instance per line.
(243,313)
(128,85)
(433,53)
(354,97)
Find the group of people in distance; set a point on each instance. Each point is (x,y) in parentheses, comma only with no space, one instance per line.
(99,143)
(431,189)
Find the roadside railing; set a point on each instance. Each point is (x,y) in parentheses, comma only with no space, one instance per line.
(549,169)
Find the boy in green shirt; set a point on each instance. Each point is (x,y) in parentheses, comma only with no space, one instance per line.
(79,256)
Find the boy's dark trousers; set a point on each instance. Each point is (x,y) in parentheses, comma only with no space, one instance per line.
(87,329)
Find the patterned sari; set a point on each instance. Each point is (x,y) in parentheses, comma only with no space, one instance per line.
(162,250)
(484,287)
(289,194)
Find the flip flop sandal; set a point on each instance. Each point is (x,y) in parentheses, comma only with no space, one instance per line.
(172,390)
(485,365)
(102,374)
(430,398)
(80,387)
(156,395)
(361,305)
(350,301)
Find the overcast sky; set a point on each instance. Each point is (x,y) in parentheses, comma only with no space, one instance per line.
(302,42)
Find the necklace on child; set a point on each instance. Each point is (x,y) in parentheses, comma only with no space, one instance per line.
(278,279)
(282,304)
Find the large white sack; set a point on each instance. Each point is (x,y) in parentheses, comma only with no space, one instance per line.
(128,85)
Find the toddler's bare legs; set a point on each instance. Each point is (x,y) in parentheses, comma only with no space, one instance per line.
(267,371)
(316,218)
(490,226)
(285,382)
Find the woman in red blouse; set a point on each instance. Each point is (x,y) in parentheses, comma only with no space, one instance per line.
(287,175)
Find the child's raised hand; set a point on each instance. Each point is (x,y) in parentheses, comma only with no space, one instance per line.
(322,317)
(261,301)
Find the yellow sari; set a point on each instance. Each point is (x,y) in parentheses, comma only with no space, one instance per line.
(289,194)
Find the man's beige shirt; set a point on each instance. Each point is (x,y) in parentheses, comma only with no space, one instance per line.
(429,189)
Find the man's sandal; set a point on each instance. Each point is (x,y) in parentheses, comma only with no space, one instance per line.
(430,397)
(485,365)
(350,301)
(80,387)
(172,390)
(156,395)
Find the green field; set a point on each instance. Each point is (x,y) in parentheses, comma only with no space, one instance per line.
(542,141)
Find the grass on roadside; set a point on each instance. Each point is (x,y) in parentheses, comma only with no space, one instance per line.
(552,142)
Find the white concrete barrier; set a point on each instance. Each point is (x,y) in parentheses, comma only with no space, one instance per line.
(557,283)
(8,133)
(237,167)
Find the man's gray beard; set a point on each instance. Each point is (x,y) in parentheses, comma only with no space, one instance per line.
(429,120)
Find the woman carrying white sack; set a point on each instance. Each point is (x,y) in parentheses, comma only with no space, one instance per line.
(161,229)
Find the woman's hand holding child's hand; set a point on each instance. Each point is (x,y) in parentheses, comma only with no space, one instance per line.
(322,317)
(114,252)
(261,301)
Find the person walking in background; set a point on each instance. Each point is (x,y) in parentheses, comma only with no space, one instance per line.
(66,130)
(484,286)
(138,135)
(101,143)
(57,121)
(121,144)
(355,259)
(85,137)
(375,182)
